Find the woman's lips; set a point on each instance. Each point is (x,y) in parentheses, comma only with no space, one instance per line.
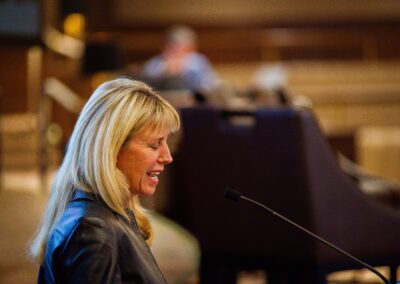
(153,176)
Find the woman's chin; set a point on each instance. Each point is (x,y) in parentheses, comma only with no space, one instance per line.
(148,191)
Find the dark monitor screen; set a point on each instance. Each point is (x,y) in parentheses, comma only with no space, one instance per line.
(20,19)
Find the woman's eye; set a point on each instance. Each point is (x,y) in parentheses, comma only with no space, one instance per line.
(154,146)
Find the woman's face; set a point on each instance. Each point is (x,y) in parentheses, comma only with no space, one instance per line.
(143,158)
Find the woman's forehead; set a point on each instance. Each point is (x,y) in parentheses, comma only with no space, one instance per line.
(154,131)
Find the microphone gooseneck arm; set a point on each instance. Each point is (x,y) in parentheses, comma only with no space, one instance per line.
(236,196)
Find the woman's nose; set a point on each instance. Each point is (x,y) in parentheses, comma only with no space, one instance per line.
(165,155)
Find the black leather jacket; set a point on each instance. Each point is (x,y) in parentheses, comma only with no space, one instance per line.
(93,244)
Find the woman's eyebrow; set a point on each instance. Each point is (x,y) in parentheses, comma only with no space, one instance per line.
(156,138)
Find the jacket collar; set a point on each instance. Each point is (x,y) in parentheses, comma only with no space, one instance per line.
(83,195)
(80,195)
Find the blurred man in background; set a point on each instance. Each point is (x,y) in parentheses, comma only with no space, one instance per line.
(180,66)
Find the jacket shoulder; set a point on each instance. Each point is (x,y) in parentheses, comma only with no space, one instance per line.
(83,244)
(84,223)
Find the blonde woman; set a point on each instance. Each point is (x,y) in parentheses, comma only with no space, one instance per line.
(94,229)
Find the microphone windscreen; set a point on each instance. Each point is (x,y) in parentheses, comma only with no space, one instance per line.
(232,194)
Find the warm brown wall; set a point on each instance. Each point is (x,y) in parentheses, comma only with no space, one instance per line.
(232,45)
(245,12)
(243,30)
(13,79)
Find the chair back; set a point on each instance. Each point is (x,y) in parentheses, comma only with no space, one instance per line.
(265,161)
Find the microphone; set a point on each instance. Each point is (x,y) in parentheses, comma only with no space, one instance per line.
(236,196)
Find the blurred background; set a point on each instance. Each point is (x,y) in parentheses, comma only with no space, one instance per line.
(340,58)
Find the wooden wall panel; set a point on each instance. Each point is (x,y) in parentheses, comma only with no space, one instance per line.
(250,12)
(13,79)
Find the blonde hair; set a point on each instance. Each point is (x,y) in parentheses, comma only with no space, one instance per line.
(115,112)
